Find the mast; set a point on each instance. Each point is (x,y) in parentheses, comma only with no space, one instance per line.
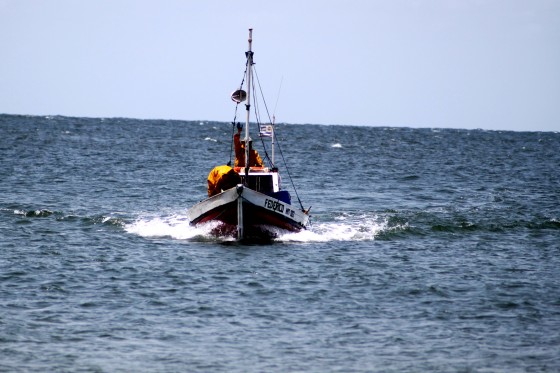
(248,104)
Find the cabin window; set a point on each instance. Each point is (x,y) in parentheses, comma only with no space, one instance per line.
(260,183)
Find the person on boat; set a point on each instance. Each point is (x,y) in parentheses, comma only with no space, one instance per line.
(254,157)
(222,178)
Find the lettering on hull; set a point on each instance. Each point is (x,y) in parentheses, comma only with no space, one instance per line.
(273,205)
(278,207)
(290,212)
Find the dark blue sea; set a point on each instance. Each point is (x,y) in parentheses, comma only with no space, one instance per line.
(430,250)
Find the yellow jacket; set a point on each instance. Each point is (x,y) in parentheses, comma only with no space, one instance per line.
(222,178)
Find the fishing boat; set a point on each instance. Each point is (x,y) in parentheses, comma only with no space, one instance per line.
(246,200)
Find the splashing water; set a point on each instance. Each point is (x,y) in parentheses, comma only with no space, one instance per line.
(356,228)
(176,226)
(345,228)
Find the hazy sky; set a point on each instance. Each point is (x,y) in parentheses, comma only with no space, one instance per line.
(492,64)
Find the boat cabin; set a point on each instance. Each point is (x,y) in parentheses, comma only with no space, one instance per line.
(260,179)
(263,180)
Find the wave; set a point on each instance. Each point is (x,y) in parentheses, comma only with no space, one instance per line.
(344,227)
(113,219)
(457,222)
(40,213)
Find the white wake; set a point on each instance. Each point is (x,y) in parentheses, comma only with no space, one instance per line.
(343,228)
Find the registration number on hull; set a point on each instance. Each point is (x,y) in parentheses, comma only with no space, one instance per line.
(278,207)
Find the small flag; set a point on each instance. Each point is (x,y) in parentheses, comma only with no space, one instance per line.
(266,130)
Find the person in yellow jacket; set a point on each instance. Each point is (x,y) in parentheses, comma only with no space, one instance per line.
(254,157)
(222,178)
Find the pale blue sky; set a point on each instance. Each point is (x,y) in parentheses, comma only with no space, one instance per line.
(492,64)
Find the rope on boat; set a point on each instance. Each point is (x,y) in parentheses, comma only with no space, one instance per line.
(290,176)
(277,142)
(232,133)
(258,116)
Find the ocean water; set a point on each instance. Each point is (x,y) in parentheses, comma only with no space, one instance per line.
(430,250)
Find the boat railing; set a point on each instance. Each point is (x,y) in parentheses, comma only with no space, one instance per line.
(241,170)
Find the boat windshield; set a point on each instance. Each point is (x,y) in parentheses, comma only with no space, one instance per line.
(260,183)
